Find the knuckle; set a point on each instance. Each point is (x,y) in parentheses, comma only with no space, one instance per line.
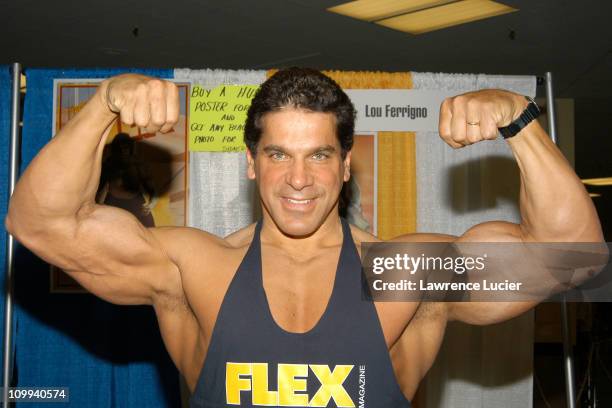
(472,103)
(155,84)
(459,100)
(488,105)
(141,120)
(127,119)
(141,88)
(458,136)
(171,86)
(158,120)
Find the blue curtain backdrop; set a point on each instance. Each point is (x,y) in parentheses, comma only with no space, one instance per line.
(108,356)
(5,142)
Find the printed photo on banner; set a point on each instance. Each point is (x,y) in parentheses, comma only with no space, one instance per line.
(358,199)
(143,173)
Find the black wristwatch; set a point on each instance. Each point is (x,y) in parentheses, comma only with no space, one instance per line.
(530,113)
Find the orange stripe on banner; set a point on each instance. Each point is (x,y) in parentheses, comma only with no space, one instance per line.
(366,79)
(396,184)
(371,80)
(396,201)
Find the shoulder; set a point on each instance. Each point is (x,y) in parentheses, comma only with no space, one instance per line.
(178,241)
(200,255)
(424,237)
(242,237)
(360,236)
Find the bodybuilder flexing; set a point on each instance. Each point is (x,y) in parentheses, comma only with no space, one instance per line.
(272,314)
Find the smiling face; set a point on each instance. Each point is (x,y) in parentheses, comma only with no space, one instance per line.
(299,169)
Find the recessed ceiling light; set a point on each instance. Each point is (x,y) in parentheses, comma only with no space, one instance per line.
(421,16)
(446,16)
(372,10)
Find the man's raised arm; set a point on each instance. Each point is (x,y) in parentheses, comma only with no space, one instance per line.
(53,210)
(554,205)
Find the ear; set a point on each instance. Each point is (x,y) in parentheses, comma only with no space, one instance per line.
(250,165)
(347,166)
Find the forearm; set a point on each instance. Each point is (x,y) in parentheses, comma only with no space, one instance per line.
(63,178)
(554,204)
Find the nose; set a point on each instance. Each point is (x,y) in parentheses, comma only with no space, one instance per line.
(298,175)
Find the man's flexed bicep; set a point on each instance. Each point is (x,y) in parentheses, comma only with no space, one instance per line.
(554,208)
(53,210)
(554,205)
(112,255)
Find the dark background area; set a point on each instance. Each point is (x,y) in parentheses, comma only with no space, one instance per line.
(569,38)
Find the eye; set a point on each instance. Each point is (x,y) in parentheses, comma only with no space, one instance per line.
(320,156)
(278,156)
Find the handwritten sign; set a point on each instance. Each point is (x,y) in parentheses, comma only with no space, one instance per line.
(217,116)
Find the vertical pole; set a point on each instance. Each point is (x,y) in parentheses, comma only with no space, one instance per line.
(550,108)
(568,359)
(568,362)
(14,163)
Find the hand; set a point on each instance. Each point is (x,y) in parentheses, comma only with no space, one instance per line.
(474,116)
(143,101)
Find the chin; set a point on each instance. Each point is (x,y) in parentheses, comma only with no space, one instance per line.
(297,227)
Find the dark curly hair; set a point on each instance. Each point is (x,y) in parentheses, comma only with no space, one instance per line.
(302,88)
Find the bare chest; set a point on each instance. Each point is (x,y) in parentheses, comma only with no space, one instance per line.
(298,290)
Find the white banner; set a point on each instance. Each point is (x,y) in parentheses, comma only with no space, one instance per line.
(397,110)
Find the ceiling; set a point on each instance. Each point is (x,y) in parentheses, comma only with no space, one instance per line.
(573,39)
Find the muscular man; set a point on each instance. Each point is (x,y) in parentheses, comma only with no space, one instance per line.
(272,315)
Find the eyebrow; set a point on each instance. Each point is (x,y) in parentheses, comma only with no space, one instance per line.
(320,149)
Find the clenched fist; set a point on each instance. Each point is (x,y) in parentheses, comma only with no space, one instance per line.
(143,101)
(474,116)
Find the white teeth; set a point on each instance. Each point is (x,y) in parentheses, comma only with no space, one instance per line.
(298,201)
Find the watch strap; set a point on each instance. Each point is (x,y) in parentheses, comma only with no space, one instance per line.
(529,114)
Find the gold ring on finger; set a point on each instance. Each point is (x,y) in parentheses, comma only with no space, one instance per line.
(474,123)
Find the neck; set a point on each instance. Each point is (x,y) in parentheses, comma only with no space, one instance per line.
(326,235)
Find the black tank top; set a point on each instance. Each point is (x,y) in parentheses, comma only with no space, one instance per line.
(342,361)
